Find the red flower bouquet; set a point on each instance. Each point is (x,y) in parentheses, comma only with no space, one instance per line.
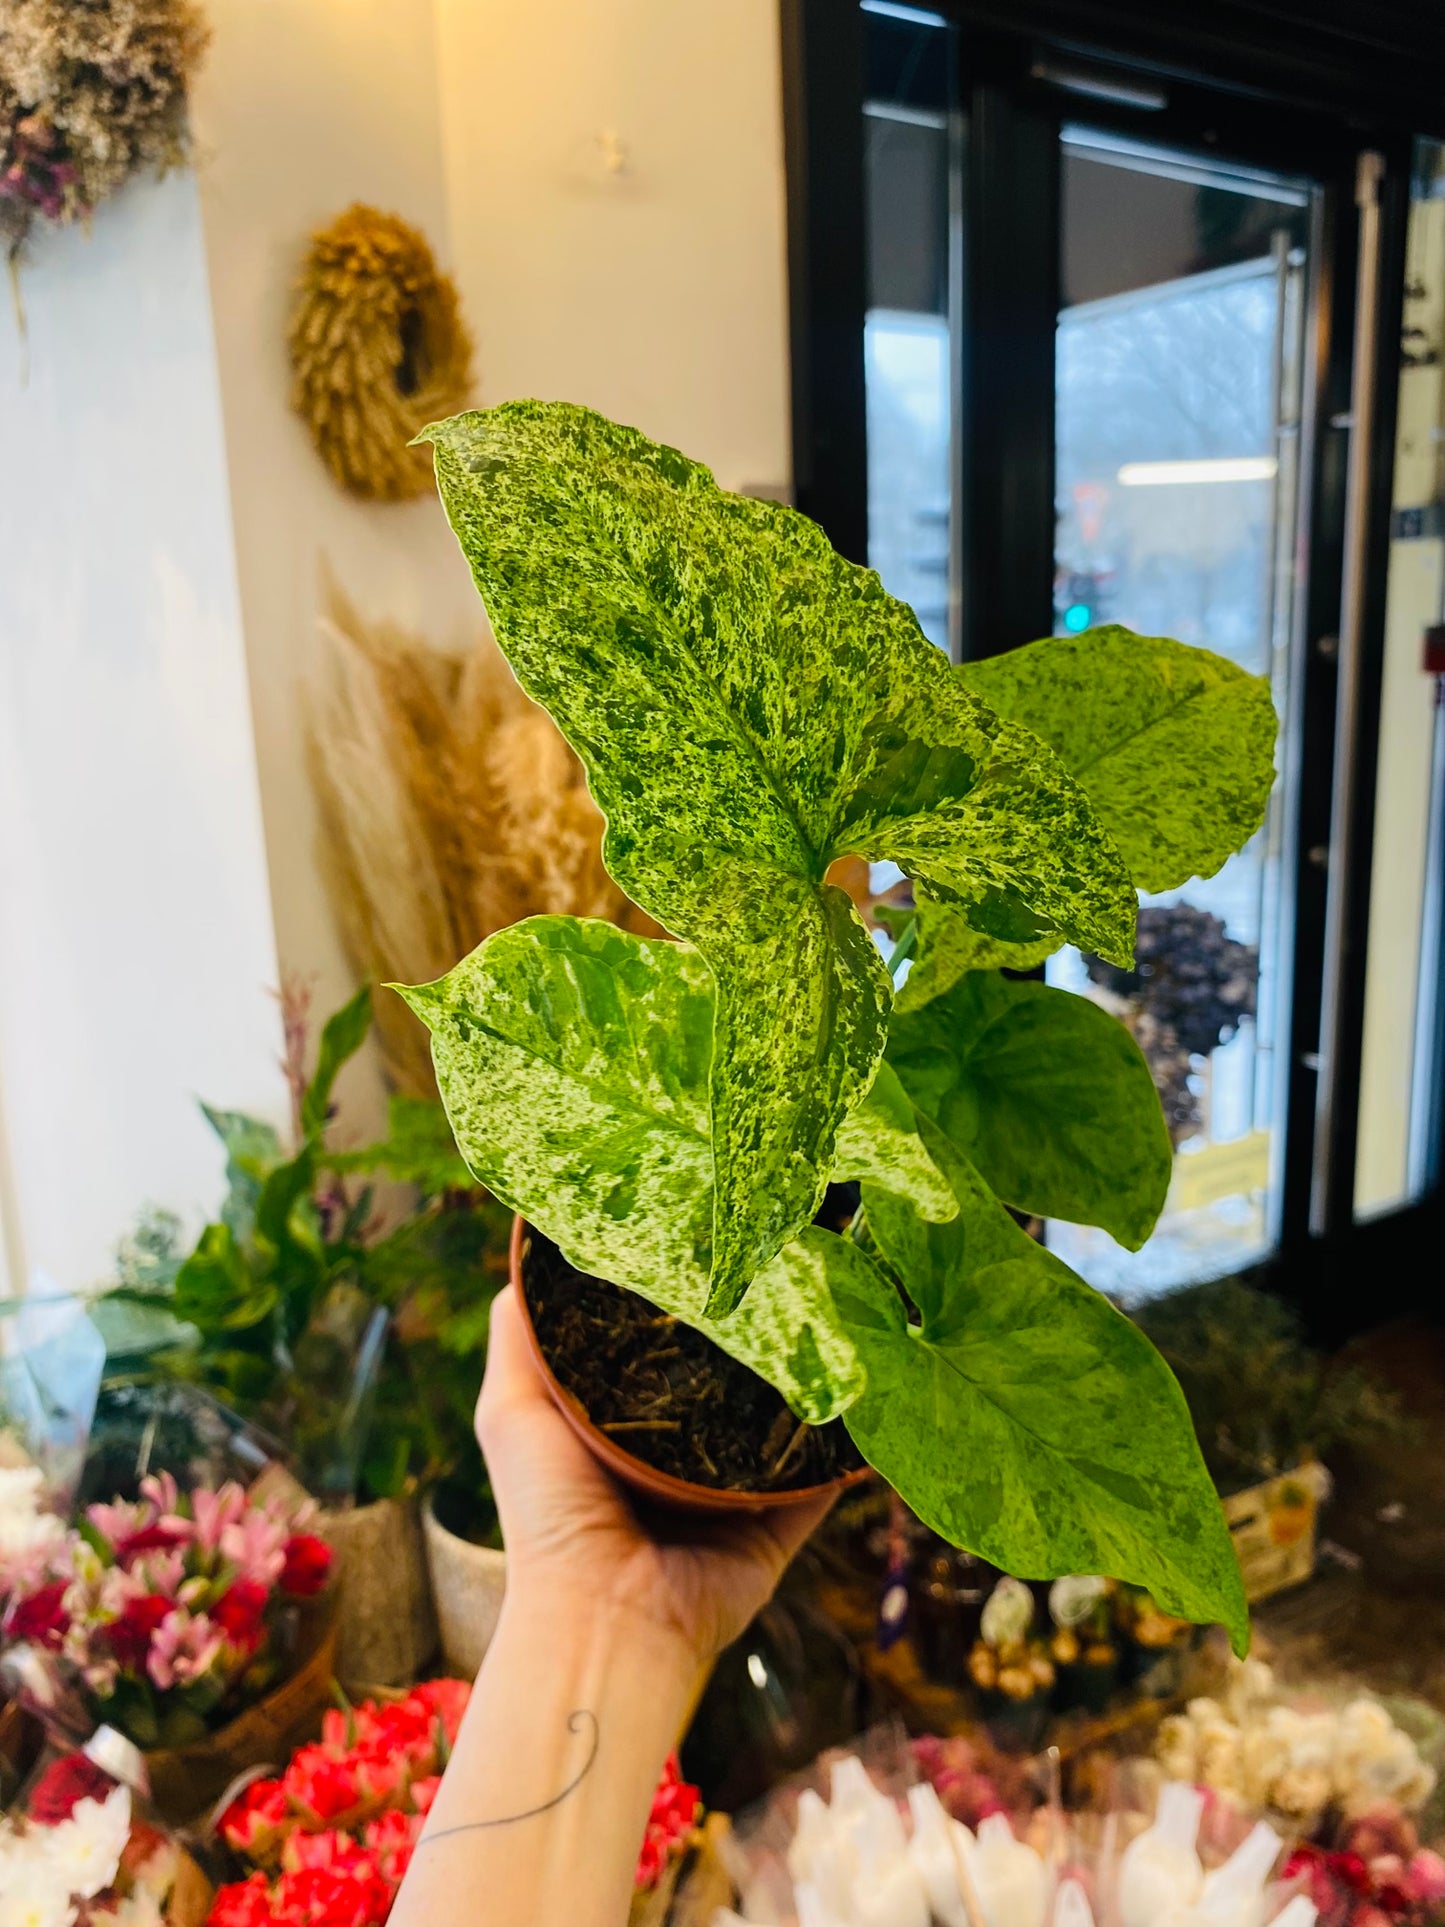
(168,1615)
(329,1843)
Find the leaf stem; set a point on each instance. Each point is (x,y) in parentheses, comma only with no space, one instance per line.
(904,948)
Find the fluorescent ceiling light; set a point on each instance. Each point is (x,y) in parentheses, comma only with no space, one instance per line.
(1224,468)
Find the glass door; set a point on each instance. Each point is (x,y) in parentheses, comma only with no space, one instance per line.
(1178,397)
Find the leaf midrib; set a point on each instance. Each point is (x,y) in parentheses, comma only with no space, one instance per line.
(1165,715)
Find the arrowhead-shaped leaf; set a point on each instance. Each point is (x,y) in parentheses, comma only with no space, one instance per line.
(1025,1418)
(1174,745)
(573,1061)
(948,947)
(749,706)
(1046,1094)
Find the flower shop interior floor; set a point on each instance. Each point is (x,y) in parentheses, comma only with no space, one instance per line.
(1379,1612)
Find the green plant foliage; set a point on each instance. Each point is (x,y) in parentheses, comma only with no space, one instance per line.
(750,706)
(342,1037)
(418,1149)
(573,1061)
(275,1299)
(1023,1416)
(1048,1096)
(1173,745)
(946,948)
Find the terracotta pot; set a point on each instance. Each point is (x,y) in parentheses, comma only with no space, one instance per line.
(681,1494)
(386,1627)
(468,1582)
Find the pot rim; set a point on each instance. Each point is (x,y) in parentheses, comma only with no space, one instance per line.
(680,1494)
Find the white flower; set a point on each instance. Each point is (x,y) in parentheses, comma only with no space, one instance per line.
(34,1894)
(1007,1613)
(85,1850)
(26,1529)
(1071,1600)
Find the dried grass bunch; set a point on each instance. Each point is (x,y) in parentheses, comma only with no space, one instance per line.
(90,91)
(378,350)
(450,807)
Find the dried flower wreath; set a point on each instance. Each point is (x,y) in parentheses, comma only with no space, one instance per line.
(90,91)
(379,349)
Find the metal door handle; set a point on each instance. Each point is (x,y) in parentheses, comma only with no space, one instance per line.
(1326,1209)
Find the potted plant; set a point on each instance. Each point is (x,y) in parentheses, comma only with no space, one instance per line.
(666,1115)
(354,1344)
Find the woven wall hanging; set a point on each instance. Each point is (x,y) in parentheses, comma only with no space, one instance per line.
(90,91)
(379,349)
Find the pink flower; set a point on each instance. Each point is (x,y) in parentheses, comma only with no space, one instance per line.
(255,1543)
(185,1647)
(121,1521)
(165,1495)
(1426,1876)
(212,1513)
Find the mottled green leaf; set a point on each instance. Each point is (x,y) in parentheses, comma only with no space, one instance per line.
(948,947)
(341,1038)
(1025,1418)
(879,1141)
(1174,745)
(573,1062)
(1047,1094)
(750,706)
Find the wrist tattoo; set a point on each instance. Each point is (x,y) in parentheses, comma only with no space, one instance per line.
(582,1720)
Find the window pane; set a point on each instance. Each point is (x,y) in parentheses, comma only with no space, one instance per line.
(1400,1074)
(911,160)
(1178,393)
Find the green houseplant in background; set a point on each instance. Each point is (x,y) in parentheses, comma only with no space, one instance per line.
(750,707)
(352,1336)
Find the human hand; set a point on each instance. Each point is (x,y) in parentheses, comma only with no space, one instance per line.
(573,1537)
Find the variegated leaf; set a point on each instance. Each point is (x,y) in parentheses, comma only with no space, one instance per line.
(573,1062)
(1174,745)
(1024,1417)
(750,706)
(948,948)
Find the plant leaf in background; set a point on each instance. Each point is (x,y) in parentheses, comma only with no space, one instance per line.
(342,1037)
(947,947)
(1174,745)
(1047,1095)
(750,706)
(573,1061)
(418,1149)
(1024,1417)
(252,1149)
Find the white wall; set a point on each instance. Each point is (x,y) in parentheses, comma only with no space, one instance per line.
(303,107)
(135,926)
(657,293)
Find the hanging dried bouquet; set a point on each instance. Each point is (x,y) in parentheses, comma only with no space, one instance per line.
(90,92)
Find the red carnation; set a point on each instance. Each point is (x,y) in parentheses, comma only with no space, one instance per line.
(130,1633)
(64,1783)
(41,1617)
(308,1564)
(240,1613)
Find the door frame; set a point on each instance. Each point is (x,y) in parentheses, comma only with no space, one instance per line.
(1016,92)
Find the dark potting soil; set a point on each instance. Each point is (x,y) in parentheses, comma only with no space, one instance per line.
(668,1395)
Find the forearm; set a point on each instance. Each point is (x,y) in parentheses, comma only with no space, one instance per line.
(541,1812)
